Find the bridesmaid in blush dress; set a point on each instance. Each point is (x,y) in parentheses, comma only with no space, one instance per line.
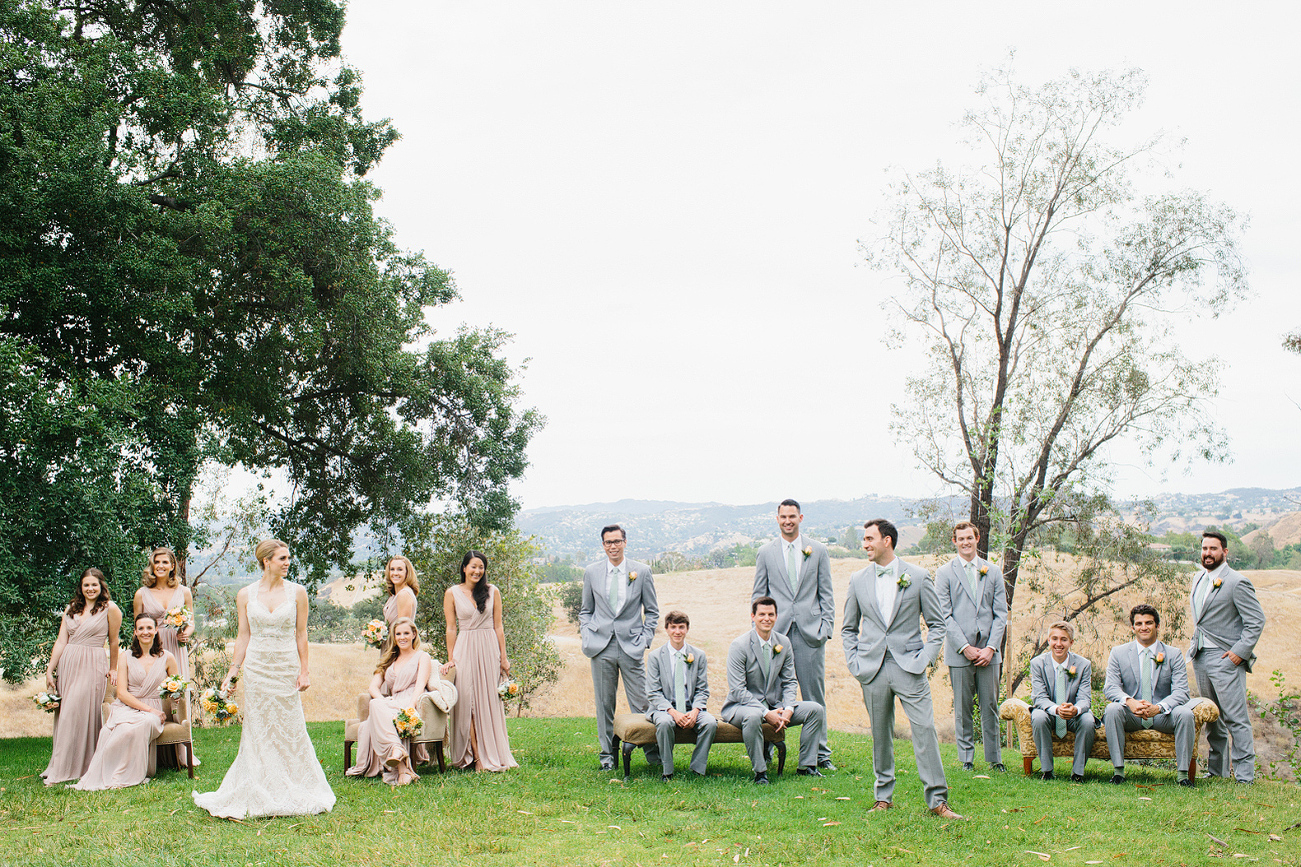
(77,672)
(162,591)
(403,586)
(398,683)
(476,648)
(123,757)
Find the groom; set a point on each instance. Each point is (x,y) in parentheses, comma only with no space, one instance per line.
(616,622)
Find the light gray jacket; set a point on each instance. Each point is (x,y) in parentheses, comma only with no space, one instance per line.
(633,625)
(813,605)
(746,685)
(867,638)
(1169,683)
(1043,683)
(979,620)
(659,679)
(1231,618)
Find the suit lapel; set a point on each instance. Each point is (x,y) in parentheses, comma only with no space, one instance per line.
(869,604)
(960,568)
(898,594)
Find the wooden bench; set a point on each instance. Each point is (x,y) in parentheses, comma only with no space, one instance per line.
(633,730)
(1141,744)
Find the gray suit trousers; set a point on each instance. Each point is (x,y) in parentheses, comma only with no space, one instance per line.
(1178,722)
(1226,684)
(1044,726)
(666,735)
(809,716)
(914,693)
(982,682)
(607,666)
(811,675)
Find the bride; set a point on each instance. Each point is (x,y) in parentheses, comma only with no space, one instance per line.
(276,772)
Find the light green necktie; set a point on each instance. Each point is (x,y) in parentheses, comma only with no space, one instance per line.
(765,661)
(792,570)
(1145,681)
(680,682)
(1061,698)
(614,590)
(1202,592)
(971,579)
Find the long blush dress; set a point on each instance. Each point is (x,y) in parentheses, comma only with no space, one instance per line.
(391,613)
(167,635)
(478,671)
(276,772)
(377,740)
(83,673)
(123,757)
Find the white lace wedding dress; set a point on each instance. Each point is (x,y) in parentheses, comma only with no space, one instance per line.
(276,772)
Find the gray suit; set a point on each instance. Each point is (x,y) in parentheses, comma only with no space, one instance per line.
(616,642)
(889,658)
(1169,690)
(750,695)
(1230,619)
(1044,698)
(806,615)
(663,695)
(978,621)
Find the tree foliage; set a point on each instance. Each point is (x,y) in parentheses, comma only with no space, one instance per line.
(191,270)
(1040,285)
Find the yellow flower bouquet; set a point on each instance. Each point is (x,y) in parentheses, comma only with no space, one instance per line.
(408,723)
(375,633)
(174,687)
(47,701)
(217,705)
(179,618)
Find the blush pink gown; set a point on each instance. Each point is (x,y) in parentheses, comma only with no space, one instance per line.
(478,671)
(123,757)
(377,740)
(83,673)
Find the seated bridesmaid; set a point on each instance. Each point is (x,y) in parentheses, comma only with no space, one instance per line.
(398,683)
(123,757)
(77,671)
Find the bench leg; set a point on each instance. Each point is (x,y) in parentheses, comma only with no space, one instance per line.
(1028,763)
(347,756)
(626,751)
(189,758)
(1192,766)
(781,757)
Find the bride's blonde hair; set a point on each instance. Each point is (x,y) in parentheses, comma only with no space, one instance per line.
(391,655)
(265,549)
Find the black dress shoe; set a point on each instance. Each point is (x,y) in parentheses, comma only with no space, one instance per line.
(1046,775)
(998,766)
(1118,779)
(1077,778)
(761,778)
(809,772)
(1188,783)
(665,778)
(826,765)
(607,764)
(968,766)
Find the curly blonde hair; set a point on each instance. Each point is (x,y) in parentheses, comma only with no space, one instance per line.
(148,578)
(413,579)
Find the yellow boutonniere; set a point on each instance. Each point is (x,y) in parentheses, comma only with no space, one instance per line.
(691,657)
(808,550)
(776,649)
(903,581)
(1160,658)
(984,570)
(632,576)
(1070,672)
(1217,582)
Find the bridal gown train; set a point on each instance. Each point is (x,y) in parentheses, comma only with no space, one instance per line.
(276,772)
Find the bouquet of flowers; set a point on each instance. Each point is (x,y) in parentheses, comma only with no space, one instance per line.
(508,689)
(374,633)
(47,701)
(408,723)
(217,704)
(174,687)
(179,618)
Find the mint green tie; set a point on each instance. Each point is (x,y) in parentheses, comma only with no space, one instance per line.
(1145,682)
(792,571)
(680,682)
(614,590)
(1061,699)
(971,579)
(765,661)
(1202,592)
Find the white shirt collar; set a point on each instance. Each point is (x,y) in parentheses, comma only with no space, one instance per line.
(1215,573)
(611,568)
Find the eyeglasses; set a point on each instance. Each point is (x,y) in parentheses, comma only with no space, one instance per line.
(615,542)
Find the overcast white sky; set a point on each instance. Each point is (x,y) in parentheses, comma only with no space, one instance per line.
(654,197)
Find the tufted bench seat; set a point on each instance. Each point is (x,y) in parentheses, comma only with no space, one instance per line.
(634,730)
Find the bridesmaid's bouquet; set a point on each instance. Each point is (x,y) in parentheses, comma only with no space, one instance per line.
(179,618)
(47,701)
(508,689)
(217,704)
(174,687)
(374,633)
(408,723)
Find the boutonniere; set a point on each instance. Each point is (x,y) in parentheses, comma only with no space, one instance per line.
(691,657)
(903,581)
(1217,582)
(632,576)
(984,570)
(1160,658)
(1070,673)
(808,550)
(776,649)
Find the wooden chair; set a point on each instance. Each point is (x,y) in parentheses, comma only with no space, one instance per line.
(177,730)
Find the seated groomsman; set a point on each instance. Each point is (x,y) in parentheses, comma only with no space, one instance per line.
(974,603)
(761,688)
(1061,688)
(1147,685)
(678,690)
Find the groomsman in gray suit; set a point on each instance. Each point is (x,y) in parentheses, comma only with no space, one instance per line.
(884,649)
(761,688)
(1061,690)
(1227,622)
(796,571)
(974,604)
(616,622)
(678,683)
(1147,685)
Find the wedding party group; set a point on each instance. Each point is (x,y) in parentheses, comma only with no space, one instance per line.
(270,659)
(776,672)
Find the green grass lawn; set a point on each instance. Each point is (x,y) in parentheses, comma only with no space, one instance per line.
(558,809)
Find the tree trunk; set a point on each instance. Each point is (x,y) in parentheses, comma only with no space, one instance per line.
(181,554)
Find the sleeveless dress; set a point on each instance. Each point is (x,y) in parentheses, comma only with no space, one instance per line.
(478,671)
(83,673)
(276,772)
(123,757)
(167,635)
(377,741)
(391,613)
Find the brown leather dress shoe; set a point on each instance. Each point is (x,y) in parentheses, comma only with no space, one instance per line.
(942,810)
(880,805)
